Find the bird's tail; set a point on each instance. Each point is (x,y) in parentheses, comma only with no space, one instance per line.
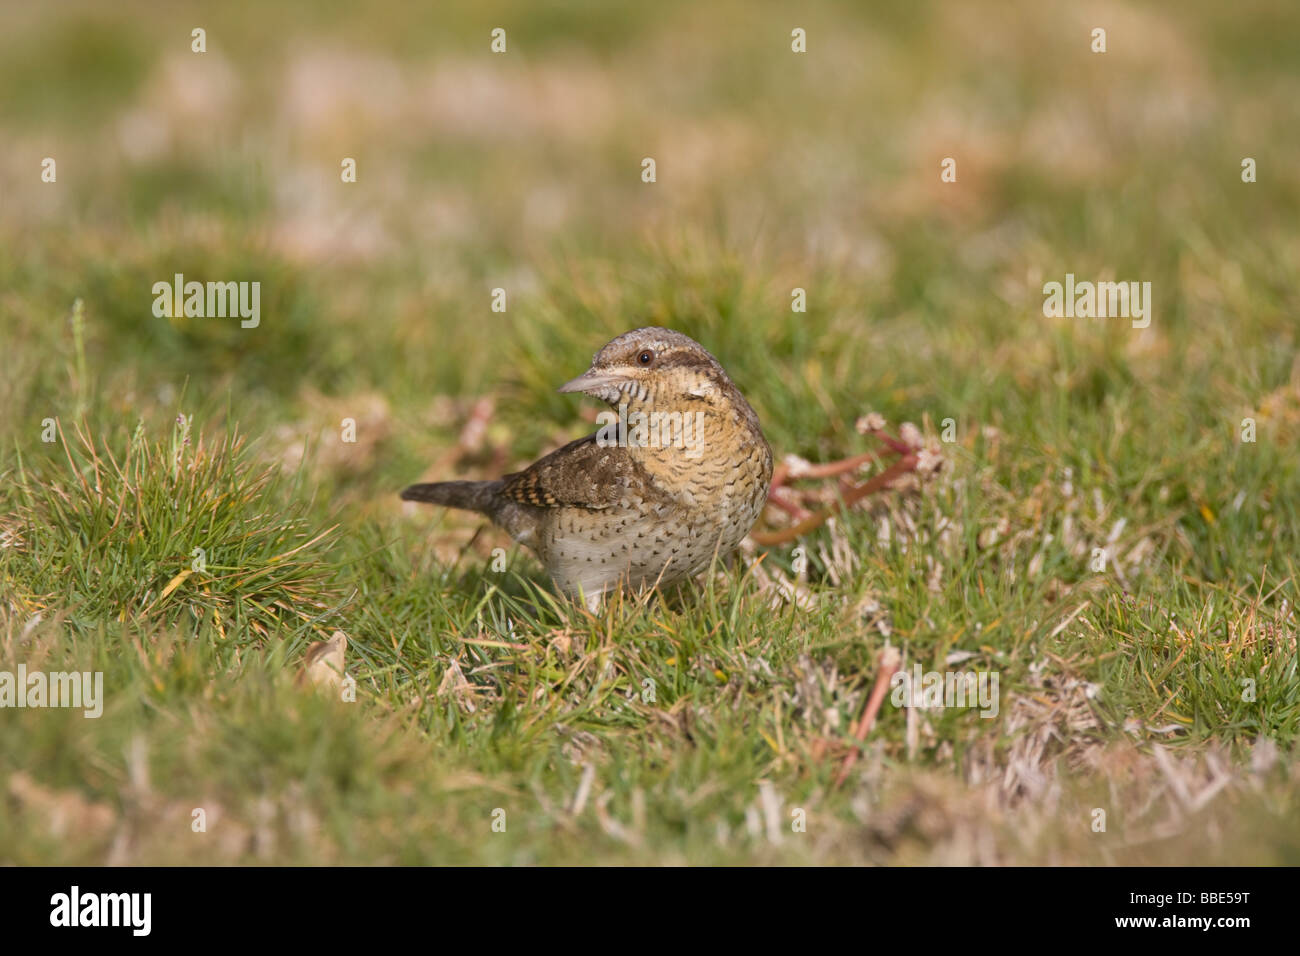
(480,496)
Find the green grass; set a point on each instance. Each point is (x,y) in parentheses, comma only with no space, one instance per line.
(1161,688)
(106,539)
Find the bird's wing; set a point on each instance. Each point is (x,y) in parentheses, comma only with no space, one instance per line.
(582,474)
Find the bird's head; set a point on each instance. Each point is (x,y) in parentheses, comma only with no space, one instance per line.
(650,367)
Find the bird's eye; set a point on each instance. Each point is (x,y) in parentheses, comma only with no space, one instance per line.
(646,357)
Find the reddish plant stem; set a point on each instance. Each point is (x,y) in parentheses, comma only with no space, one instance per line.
(888,662)
(778,500)
(853,495)
(890,442)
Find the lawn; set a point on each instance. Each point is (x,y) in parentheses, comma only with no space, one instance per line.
(189,503)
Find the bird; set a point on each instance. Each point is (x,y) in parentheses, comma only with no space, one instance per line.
(674,478)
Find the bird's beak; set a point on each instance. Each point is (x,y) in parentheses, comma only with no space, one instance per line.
(592,383)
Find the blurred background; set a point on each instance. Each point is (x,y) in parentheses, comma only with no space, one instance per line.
(522,171)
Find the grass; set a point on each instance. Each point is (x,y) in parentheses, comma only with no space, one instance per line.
(1159,686)
(107,538)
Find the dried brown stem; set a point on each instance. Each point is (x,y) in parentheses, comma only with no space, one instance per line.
(888,662)
(890,442)
(896,470)
(832,468)
(777,500)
